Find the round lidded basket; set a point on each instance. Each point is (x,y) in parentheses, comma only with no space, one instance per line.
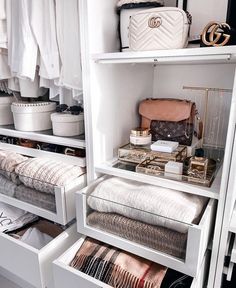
(68,125)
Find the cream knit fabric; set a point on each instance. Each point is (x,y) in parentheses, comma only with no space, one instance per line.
(44,174)
(8,162)
(150,204)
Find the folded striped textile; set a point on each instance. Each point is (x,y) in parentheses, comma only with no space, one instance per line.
(44,174)
(147,203)
(117,268)
(159,238)
(37,198)
(8,163)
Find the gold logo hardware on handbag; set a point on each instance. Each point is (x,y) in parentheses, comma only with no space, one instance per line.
(214,35)
(154,22)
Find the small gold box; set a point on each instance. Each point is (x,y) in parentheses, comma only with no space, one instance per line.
(134,154)
(198,167)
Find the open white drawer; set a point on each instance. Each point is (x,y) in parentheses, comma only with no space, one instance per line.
(66,276)
(197,238)
(32,265)
(64,202)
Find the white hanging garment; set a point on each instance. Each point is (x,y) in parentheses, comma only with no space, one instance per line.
(68,32)
(3,25)
(5,72)
(54,90)
(43,24)
(2,9)
(3,34)
(13,84)
(22,46)
(31,89)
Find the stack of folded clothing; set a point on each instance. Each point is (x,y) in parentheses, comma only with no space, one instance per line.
(150,215)
(8,163)
(121,269)
(44,174)
(33,180)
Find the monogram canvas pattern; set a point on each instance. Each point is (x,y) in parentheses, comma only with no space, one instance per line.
(181,131)
(159,28)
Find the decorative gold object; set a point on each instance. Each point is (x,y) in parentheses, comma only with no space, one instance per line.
(213,32)
(140,132)
(154,22)
(154,166)
(198,167)
(129,153)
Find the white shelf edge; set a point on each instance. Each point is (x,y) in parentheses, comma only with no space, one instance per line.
(232,225)
(44,136)
(210,192)
(79,161)
(199,55)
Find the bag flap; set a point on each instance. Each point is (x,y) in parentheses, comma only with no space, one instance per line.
(166,109)
(171,129)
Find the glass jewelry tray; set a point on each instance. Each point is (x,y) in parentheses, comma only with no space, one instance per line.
(155,166)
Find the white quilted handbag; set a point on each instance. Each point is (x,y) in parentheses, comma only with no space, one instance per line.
(159,28)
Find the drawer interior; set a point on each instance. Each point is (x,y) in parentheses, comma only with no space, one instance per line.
(31,263)
(62,270)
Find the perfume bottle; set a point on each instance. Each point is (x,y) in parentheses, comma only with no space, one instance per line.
(198,167)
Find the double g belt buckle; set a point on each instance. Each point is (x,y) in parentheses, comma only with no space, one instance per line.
(214,34)
(154,22)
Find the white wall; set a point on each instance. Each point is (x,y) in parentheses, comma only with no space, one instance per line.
(169,82)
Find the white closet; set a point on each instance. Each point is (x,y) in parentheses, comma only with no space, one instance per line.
(115,85)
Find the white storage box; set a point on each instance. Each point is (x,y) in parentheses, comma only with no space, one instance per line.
(33,116)
(197,238)
(6,117)
(64,124)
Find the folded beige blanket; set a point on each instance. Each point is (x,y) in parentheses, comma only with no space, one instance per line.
(147,203)
(158,238)
(117,268)
(44,174)
(8,163)
(37,198)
